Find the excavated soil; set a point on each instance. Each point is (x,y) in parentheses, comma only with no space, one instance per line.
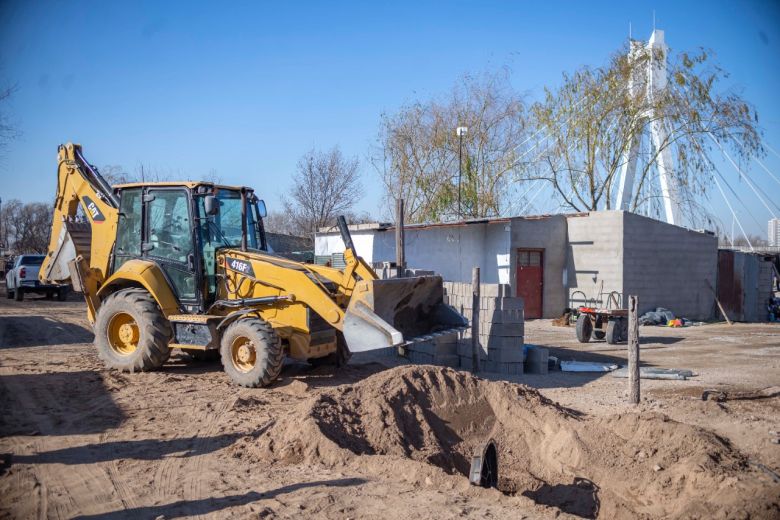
(642,465)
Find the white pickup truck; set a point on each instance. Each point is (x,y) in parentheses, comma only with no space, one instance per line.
(22,278)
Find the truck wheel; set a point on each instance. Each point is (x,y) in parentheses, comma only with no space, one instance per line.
(49,295)
(251,352)
(584,328)
(8,293)
(131,333)
(62,294)
(202,356)
(599,331)
(19,294)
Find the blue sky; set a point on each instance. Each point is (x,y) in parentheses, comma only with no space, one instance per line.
(246,88)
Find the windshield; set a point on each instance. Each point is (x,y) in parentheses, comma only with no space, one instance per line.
(31,260)
(224,228)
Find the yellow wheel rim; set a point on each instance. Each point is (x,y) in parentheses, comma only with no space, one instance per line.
(123,334)
(243,354)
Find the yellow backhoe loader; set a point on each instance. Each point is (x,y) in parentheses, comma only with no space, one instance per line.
(186,265)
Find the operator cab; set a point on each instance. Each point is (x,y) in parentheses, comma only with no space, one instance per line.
(181,226)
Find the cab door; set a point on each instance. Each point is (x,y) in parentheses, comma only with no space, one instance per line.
(169,239)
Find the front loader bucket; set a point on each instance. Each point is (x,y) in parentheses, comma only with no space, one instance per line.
(390,313)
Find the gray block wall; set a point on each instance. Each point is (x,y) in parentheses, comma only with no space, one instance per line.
(548,233)
(669,266)
(595,255)
(501,327)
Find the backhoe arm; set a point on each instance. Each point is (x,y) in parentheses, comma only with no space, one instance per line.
(80,252)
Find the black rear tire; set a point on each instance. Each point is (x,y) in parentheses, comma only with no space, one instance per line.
(153,329)
(8,293)
(62,294)
(252,352)
(19,294)
(584,328)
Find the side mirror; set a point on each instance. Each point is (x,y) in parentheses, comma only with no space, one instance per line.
(211,204)
(261,209)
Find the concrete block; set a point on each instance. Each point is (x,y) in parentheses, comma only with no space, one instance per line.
(506,355)
(502,329)
(448,360)
(537,360)
(421,358)
(505,316)
(501,341)
(464,349)
(507,369)
(514,303)
(435,345)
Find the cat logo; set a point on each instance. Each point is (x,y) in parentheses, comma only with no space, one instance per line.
(94,212)
(239,266)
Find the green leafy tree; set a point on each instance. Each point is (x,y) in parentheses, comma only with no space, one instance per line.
(588,123)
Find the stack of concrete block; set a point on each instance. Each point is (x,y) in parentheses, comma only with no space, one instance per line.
(501,327)
(440,348)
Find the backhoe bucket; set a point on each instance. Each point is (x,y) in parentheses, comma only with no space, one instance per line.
(74,240)
(391,313)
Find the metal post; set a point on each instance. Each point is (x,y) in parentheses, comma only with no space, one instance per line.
(475,320)
(400,253)
(460,172)
(460,131)
(633,351)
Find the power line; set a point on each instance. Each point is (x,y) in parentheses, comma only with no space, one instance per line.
(743,174)
(767,169)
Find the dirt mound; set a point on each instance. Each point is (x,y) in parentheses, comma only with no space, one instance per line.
(632,465)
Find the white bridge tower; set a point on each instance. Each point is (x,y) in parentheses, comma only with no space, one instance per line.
(652,80)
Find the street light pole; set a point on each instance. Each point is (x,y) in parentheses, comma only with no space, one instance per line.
(460,131)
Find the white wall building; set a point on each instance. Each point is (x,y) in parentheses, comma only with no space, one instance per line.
(556,261)
(774,232)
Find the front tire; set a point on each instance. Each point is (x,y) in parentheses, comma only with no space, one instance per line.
(131,332)
(8,293)
(252,353)
(19,294)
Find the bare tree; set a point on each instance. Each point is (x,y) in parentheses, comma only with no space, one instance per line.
(280,222)
(8,131)
(418,153)
(326,185)
(26,227)
(116,174)
(587,124)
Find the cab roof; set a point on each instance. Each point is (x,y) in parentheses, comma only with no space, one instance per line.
(187,184)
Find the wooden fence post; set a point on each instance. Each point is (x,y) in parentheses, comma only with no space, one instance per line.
(633,351)
(400,252)
(475,320)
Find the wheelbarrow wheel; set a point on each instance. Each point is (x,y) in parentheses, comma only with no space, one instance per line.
(617,331)
(584,328)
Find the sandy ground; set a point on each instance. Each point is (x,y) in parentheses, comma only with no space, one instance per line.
(80,441)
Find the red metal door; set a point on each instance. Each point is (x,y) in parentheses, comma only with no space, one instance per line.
(530,276)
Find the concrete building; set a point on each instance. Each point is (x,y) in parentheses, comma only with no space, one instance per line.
(773,232)
(557,261)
